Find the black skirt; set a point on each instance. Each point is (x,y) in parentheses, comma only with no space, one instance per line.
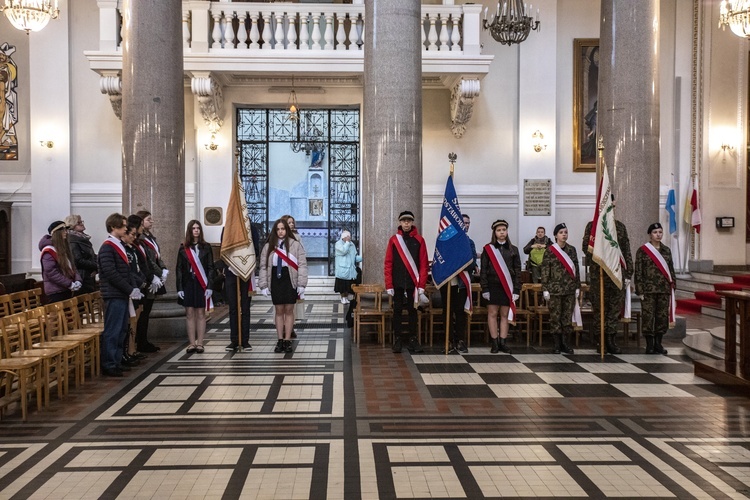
(497,296)
(343,286)
(195,296)
(282,291)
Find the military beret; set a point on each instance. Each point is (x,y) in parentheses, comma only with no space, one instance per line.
(558,228)
(653,226)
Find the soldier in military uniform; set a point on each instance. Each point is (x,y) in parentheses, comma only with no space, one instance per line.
(655,283)
(561,285)
(613,296)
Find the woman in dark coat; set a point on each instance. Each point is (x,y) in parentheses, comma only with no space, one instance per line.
(84,255)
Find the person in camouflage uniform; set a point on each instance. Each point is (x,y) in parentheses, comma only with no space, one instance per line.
(613,296)
(560,289)
(655,290)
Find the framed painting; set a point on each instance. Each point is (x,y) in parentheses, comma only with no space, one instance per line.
(585,103)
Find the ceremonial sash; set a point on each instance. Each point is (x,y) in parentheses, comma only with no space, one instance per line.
(152,243)
(50,250)
(564,259)
(466,280)
(143,252)
(288,258)
(410,265)
(627,309)
(200,273)
(501,269)
(119,248)
(658,259)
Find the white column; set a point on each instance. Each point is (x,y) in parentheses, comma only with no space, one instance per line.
(49,115)
(107,25)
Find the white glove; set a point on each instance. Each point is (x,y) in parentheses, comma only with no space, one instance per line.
(264,291)
(164,274)
(208,293)
(423,300)
(301,292)
(136,294)
(486,295)
(545,294)
(578,292)
(181,294)
(627,283)
(75,286)
(390,292)
(421,291)
(515,297)
(156,283)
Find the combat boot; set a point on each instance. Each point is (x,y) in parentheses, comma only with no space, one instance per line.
(611,345)
(502,346)
(414,346)
(564,347)
(558,342)
(494,349)
(396,344)
(650,344)
(658,348)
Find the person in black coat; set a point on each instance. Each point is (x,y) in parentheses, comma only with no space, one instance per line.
(83,253)
(195,271)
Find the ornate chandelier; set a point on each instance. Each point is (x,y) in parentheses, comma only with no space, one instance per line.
(30,15)
(513,23)
(736,15)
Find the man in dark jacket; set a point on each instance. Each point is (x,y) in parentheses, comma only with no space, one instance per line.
(405,277)
(83,253)
(118,286)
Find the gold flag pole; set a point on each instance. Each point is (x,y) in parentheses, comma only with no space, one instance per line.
(452,157)
(600,171)
(237,278)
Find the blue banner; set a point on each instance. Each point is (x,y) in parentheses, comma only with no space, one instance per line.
(452,248)
(670,207)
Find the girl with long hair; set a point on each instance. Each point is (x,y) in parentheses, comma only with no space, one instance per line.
(157,284)
(61,279)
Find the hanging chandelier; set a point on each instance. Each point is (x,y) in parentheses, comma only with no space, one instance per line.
(292,105)
(513,23)
(309,137)
(736,15)
(30,15)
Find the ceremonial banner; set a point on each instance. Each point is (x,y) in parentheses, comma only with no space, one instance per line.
(237,249)
(452,248)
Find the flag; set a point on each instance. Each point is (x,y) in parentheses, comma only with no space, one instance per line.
(237,245)
(670,208)
(452,248)
(692,211)
(606,249)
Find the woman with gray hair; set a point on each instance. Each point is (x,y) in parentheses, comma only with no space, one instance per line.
(84,255)
(346,266)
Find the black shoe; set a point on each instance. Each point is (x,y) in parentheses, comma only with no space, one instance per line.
(461,346)
(149,347)
(397,345)
(414,346)
(139,355)
(114,372)
(503,346)
(288,346)
(452,349)
(247,347)
(494,346)
(279,346)
(124,368)
(231,347)
(128,361)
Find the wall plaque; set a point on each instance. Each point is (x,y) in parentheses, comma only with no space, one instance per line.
(537,196)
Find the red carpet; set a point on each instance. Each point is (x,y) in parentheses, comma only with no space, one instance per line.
(742,279)
(689,306)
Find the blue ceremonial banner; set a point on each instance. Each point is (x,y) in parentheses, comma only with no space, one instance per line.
(670,207)
(452,249)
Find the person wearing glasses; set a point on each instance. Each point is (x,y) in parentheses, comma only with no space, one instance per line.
(84,255)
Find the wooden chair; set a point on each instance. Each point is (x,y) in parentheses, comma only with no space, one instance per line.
(18,378)
(369,310)
(434,314)
(34,298)
(15,329)
(73,329)
(539,310)
(19,302)
(54,331)
(523,312)
(38,333)
(4,305)
(479,316)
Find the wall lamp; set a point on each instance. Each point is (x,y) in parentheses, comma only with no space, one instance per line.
(538,137)
(47,144)
(212,146)
(726,147)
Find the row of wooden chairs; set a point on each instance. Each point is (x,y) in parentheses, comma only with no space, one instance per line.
(14,303)
(45,345)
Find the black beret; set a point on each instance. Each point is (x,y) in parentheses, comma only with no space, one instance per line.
(405,215)
(58,224)
(655,225)
(558,228)
(499,222)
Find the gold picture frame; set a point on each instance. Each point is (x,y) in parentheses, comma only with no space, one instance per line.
(585,103)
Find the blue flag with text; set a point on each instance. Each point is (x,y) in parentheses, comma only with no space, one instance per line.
(452,248)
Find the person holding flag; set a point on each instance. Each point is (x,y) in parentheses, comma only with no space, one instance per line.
(561,285)
(454,259)
(500,279)
(195,271)
(655,282)
(405,273)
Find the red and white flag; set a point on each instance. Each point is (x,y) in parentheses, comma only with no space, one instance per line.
(692,210)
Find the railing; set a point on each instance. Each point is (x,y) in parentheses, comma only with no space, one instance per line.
(248,27)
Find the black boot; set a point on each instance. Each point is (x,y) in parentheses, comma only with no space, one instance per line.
(658,348)
(558,342)
(396,344)
(650,344)
(414,346)
(611,345)
(279,346)
(502,346)
(564,347)
(288,346)
(494,347)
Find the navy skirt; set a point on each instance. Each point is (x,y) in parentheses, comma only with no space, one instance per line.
(194,294)
(497,296)
(282,291)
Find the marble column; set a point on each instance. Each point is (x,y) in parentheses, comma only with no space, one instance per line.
(153,119)
(628,117)
(391,125)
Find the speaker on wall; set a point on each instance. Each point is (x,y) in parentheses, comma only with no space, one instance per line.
(213,216)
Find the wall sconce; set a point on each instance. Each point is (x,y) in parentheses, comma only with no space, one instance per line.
(47,144)
(726,147)
(212,146)
(538,137)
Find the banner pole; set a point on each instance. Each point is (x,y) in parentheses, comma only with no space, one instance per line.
(447,317)
(601,311)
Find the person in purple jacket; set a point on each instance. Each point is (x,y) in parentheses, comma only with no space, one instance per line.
(58,267)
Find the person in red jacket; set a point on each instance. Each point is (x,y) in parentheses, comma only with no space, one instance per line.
(405,277)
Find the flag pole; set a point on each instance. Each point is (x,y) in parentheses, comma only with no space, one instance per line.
(601,172)
(452,157)
(237,278)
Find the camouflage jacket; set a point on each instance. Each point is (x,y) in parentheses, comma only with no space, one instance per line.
(648,278)
(622,240)
(555,279)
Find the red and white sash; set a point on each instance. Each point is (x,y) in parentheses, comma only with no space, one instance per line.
(410,265)
(289,259)
(200,273)
(119,248)
(564,259)
(466,280)
(501,269)
(143,252)
(663,268)
(152,243)
(50,250)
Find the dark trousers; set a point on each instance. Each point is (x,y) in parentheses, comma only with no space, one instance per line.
(141,329)
(655,312)
(403,298)
(230,295)
(561,313)
(116,319)
(458,315)
(613,302)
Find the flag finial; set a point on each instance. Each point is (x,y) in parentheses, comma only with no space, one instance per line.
(452,157)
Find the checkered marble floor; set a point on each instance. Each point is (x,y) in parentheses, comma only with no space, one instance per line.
(331,420)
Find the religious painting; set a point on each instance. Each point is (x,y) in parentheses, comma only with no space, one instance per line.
(316,208)
(585,103)
(8,103)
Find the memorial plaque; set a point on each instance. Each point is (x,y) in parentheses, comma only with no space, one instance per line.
(537,196)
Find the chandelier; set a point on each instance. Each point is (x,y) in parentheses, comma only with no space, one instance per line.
(736,15)
(30,15)
(309,138)
(513,23)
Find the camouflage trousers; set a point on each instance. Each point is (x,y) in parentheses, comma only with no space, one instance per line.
(561,313)
(655,313)
(613,301)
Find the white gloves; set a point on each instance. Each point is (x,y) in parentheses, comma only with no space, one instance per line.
(545,294)
(164,274)
(208,293)
(390,292)
(486,295)
(627,283)
(181,294)
(421,291)
(264,291)
(136,294)
(76,285)
(515,297)
(156,283)
(301,292)
(578,292)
